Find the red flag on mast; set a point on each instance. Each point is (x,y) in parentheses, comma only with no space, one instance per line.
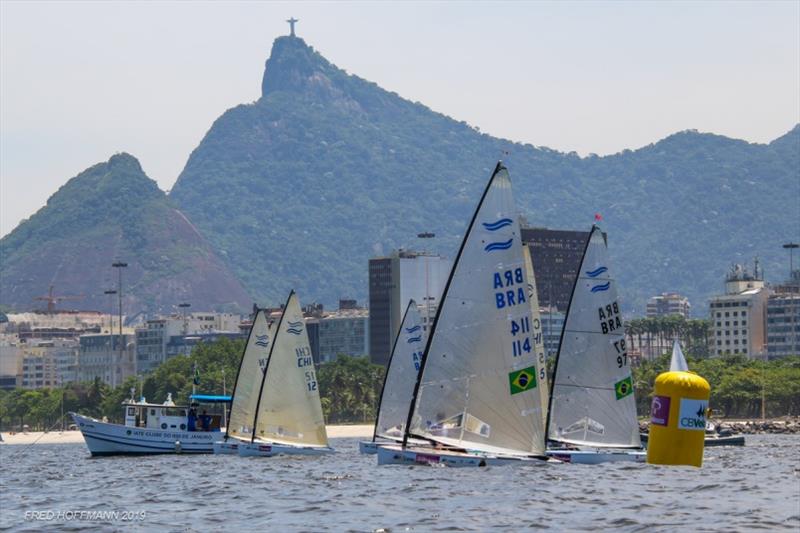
(598,217)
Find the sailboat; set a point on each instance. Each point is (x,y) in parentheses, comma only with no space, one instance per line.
(247,387)
(476,397)
(592,413)
(398,384)
(288,414)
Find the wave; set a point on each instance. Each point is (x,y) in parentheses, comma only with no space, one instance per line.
(414,339)
(492,246)
(596,272)
(262,343)
(603,287)
(295,324)
(494,226)
(294,331)
(412,330)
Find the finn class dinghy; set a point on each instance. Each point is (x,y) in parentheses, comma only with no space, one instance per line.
(476,399)
(288,414)
(398,384)
(247,387)
(592,413)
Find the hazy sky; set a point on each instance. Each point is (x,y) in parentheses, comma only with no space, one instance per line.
(80,81)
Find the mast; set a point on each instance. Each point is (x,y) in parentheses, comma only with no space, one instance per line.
(266,367)
(239,370)
(388,367)
(441,306)
(564,330)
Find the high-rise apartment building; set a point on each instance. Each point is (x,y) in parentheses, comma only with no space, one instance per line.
(668,303)
(783,319)
(393,281)
(556,256)
(738,317)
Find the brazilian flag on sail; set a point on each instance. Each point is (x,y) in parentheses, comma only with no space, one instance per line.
(623,388)
(522,380)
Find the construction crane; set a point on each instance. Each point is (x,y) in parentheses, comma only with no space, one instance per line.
(53,300)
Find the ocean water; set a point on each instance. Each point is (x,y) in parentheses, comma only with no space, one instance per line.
(48,487)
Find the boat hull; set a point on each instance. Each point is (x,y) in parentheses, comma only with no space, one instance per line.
(595,457)
(397,455)
(103,438)
(270,449)
(227,447)
(369,447)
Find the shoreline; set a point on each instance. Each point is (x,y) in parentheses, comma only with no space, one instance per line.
(356,431)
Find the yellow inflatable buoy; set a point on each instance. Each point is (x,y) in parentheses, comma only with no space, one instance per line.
(678,419)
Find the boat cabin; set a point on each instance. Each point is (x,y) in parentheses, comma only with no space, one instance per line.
(168,416)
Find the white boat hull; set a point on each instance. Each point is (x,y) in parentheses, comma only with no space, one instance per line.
(103,438)
(270,449)
(595,457)
(228,447)
(397,455)
(370,447)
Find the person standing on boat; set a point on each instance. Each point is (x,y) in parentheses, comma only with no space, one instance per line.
(191,422)
(205,421)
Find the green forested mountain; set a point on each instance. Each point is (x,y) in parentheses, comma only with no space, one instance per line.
(325,170)
(113,211)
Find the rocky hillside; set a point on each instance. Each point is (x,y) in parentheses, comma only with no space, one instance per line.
(113,211)
(326,169)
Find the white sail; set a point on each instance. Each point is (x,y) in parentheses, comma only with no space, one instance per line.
(289,409)
(478,384)
(593,401)
(537,335)
(401,375)
(678,362)
(248,380)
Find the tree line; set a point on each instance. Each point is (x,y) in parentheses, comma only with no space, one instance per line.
(350,387)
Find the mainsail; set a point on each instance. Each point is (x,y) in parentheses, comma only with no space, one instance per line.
(289,408)
(249,378)
(477,388)
(593,402)
(537,334)
(401,375)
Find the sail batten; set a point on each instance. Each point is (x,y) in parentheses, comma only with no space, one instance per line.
(593,401)
(478,385)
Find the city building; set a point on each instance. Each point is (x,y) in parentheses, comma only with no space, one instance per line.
(110,357)
(783,319)
(552,325)
(343,332)
(38,372)
(668,303)
(738,317)
(393,281)
(556,256)
(10,361)
(164,337)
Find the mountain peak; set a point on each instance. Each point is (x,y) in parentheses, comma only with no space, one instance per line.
(292,65)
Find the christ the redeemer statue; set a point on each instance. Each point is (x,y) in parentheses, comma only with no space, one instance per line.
(292,22)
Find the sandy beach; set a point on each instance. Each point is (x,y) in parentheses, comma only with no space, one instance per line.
(71,437)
